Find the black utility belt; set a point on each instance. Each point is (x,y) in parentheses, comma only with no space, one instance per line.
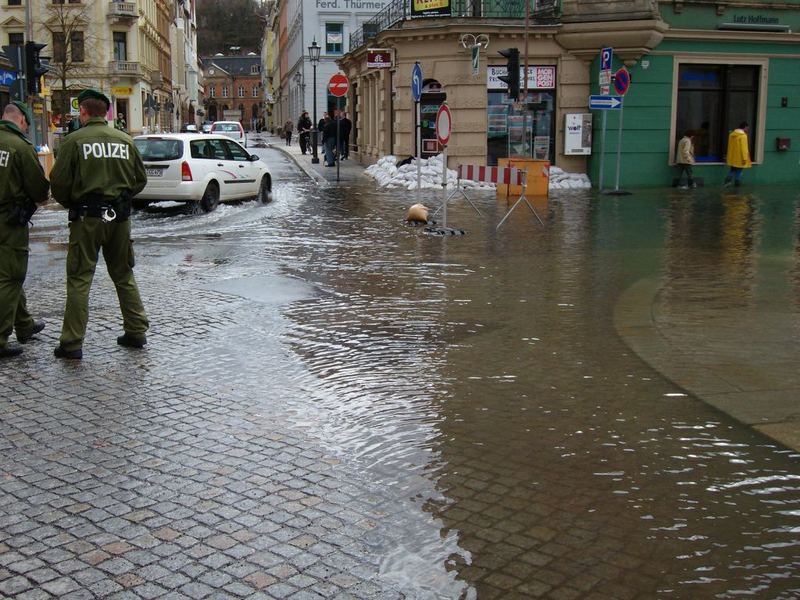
(107,213)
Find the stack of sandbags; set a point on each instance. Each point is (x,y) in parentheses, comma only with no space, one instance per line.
(561,180)
(387,174)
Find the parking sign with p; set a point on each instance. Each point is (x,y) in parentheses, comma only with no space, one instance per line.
(605,59)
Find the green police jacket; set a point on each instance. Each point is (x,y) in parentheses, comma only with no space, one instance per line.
(21,174)
(96,161)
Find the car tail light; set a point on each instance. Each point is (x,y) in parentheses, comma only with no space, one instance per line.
(186,172)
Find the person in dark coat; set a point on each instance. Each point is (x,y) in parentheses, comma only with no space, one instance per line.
(321,128)
(331,142)
(346,126)
(304,130)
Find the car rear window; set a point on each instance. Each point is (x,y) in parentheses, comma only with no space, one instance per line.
(226,127)
(159,148)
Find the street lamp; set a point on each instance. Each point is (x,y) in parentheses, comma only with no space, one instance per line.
(313,56)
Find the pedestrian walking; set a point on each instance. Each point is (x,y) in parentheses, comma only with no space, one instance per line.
(684,158)
(22,186)
(331,136)
(304,125)
(288,127)
(321,128)
(344,144)
(97,172)
(738,157)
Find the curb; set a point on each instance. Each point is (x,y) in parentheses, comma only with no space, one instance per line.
(307,169)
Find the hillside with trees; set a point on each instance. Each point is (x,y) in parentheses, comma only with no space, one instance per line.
(223,24)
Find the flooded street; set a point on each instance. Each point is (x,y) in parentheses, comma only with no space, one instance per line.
(518,435)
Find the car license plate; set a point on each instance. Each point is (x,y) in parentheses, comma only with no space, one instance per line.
(154,172)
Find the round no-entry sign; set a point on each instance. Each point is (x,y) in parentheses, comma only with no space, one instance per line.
(444,124)
(338,85)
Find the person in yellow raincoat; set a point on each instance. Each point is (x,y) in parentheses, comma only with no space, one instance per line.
(738,158)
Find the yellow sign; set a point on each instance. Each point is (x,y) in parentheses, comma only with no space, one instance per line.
(122,91)
(45,91)
(420,5)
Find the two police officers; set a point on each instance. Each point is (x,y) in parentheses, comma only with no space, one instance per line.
(97,172)
(22,187)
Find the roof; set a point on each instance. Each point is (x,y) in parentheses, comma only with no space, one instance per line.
(233,65)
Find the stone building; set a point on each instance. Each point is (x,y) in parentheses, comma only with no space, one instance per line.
(123,48)
(233,89)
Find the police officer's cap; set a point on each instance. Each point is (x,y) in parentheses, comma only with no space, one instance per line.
(94,94)
(24,109)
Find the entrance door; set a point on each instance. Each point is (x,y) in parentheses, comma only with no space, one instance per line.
(122,109)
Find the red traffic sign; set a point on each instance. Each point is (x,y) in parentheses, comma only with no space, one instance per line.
(338,85)
(622,81)
(444,124)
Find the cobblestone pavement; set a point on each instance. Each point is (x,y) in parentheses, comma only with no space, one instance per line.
(334,406)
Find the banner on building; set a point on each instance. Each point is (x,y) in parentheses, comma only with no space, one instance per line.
(430,8)
(378,58)
(539,78)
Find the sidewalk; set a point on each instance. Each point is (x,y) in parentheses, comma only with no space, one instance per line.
(349,170)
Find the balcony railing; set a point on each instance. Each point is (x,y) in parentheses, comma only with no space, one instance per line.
(124,10)
(126,68)
(543,12)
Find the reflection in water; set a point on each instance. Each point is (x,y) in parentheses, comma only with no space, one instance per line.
(482,380)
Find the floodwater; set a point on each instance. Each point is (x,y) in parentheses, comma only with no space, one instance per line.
(517,445)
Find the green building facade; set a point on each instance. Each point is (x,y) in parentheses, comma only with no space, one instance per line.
(716,66)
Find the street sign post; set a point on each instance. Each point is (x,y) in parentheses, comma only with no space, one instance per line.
(416,94)
(622,81)
(444,127)
(605,102)
(606,60)
(338,86)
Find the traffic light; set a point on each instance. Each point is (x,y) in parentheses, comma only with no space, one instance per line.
(34,67)
(512,70)
(16,57)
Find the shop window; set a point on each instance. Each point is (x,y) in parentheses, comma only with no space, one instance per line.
(712,100)
(334,38)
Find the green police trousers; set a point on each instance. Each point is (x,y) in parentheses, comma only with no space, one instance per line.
(13,268)
(86,237)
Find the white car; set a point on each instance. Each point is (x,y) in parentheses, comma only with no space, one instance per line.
(232,129)
(204,169)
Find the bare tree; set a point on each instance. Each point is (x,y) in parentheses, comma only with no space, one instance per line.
(72,47)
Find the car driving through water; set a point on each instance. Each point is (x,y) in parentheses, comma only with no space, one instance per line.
(200,169)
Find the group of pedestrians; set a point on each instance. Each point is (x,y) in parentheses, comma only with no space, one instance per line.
(737,157)
(334,135)
(96,174)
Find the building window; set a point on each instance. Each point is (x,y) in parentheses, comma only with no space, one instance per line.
(15,2)
(16,39)
(712,100)
(255,69)
(120,46)
(76,46)
(255,91)
(241,91)
(212,91)
(334,37)
(224,91)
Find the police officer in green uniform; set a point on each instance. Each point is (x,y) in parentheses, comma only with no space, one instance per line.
(22,186)
(97,172)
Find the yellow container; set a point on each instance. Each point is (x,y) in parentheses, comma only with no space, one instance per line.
(538,177)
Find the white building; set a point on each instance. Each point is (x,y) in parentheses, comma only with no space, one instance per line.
(330,23)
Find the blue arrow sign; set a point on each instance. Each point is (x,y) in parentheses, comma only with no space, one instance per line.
(605,102)
(416,82)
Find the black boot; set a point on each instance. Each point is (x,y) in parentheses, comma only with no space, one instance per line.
(10,350)
(132,341)
(61,352)
(24,338)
